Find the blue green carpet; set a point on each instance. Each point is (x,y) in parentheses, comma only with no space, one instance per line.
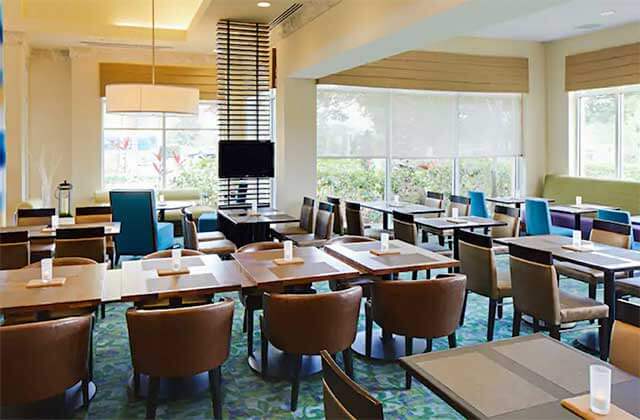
(246,395)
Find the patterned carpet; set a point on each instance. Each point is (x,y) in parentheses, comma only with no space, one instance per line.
(247,396)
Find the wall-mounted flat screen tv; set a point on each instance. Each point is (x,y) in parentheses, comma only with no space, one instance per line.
(238,159)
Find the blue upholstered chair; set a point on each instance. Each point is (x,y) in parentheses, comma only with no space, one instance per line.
(619,216)
(538,219)
(140,232)
(478,204)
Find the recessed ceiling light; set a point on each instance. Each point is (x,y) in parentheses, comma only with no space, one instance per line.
(607,13)
(264,4)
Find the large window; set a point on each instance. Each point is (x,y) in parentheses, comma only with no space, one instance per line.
(161,151)
(608,133)
(375,143)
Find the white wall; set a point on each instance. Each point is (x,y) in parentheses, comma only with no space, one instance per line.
(560,119)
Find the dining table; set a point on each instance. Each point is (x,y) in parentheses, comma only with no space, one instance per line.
(111,229)
(405,258)
(242,226)
(388,207)
(163,206)
(608,259)
(635,220)
(516,202)
(578,210)
(520,378)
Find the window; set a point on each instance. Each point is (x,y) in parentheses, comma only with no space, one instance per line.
(608,133)
(161,151)
(375,143)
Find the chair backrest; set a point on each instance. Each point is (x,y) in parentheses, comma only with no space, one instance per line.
(434,199)
(86,242)
(65,261)
(338,220)
(136,212)
(324,221)
(189,233)
(478,263)
(93,214)
(510,216)
(180,341)
(349,239)
(478,204)
(343,398)
(355,225)
(333,315)
(619,216)
(459,202)
(261,246)
(306,214)
(419,308)
(534,283)
(41,359)
(33,217)
(167,254)
(611,233)
(538,217)
(14,250)
(625,339)
(404,227)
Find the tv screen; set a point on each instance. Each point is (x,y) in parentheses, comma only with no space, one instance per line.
(237,159)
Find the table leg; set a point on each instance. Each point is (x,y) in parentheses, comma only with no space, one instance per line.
(456,250)
(518,205)
(161,215)
(385,221)
(577,223)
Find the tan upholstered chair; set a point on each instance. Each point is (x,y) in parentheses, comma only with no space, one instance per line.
(97,214)
(434,199)
(286,325)
(625,339)
(323,228)
(628,287)
(39,248)
(305,225)
(338,215)
(535,289)
(169,343)
(14,250)
(356,226)
(416,309)
(167,254)
(188,213)
(190,236)
(85,242)
(39,360)
(603,232)
(478,262)
(510,216)
(343,398)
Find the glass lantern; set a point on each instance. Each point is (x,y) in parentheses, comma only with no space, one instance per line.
(63,194)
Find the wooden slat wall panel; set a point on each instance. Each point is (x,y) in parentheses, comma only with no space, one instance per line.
(427,70)
(616,66)
(203,78)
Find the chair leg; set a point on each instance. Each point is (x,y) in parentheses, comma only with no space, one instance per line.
(428,274)
(264,354)
(500,308)
(464,307)
(452,340)
(152,397)
(215,385)
(103,309)
(493,303)
(414,275)
(136,384)
(347,358)
(517,320)
(602,338)
(295,383)
(554,332)
(249,314)
(244,320)
(536,325)
(408,351)
(85,392)
(368,332)
(592,290)
(429,345)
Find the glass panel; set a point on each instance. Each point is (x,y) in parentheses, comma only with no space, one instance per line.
(352,122)
(476,175)
(207,118)
(631,137)
(131,120)
(598,136)
(411,179)
(132,158)
(505,176)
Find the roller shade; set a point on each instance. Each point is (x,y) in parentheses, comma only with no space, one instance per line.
(616,66)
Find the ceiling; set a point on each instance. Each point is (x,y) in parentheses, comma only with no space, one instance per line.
(576,17)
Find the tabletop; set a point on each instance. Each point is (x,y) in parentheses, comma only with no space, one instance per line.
(208,274)
(409,208)
(411,257)
(523,377)
(82,288)
(45,232)
(581,209)
(317,266)
(173,205)
(470,222)
(635,220)
(266,215)
(517,200)
(603,257)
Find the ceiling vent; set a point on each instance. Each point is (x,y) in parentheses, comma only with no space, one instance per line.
(106,44)
(293,9)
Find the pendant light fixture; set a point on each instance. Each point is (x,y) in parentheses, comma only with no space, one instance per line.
(126,98)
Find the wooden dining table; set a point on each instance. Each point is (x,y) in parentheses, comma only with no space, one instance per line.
(111,229)
(388,207)
(243,227)
(520,378)
(577,211)
(517,202)
(410,258)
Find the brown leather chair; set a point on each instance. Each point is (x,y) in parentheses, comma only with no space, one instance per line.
(434,199)
(338,218)
(322,231)
(478,263)
(356,226)
(603,232)
(85,242)
(180,342)
(510,216)
(167,254)
(628,287)
(14,250)
(97,214)
(343,398)
(625,338)
(364,281)
(39,360)
(40,248)
(307,324)
(422,309)
(305,225)
(190,236)
(535,289)
(202,236)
